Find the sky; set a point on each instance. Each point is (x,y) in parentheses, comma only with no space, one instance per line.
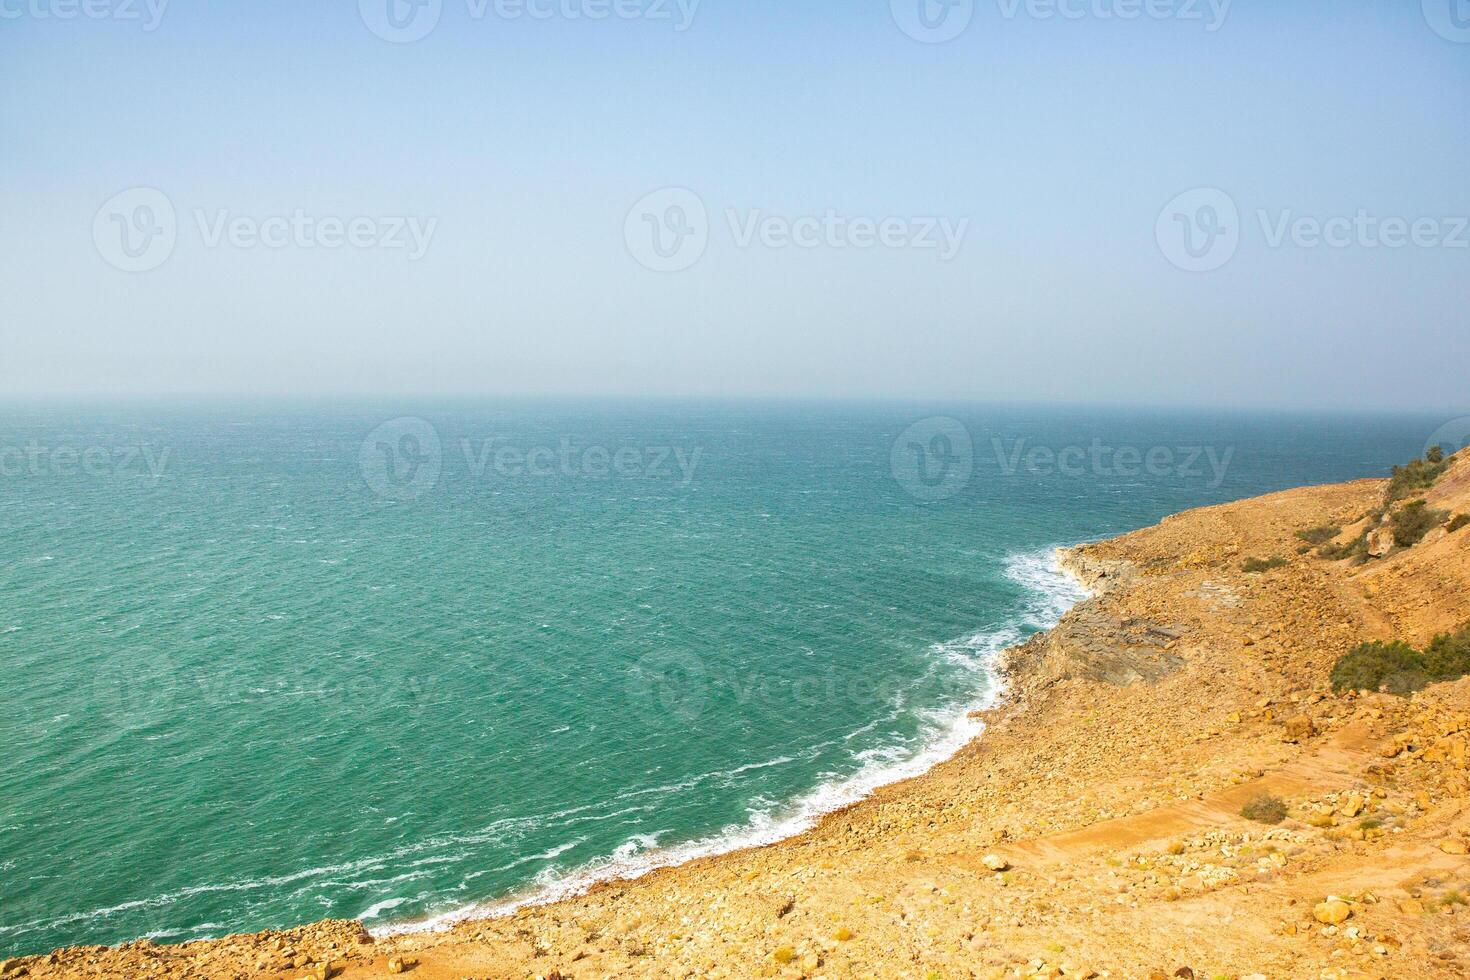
(1258,203)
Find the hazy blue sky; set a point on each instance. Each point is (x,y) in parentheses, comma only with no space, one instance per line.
(1049,146)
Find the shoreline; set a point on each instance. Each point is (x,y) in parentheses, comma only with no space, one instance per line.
(957,736)
(1097,829)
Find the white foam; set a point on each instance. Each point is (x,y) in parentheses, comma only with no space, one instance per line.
(1051,592)
(387,905)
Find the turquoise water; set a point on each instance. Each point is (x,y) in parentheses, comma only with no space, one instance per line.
(261,665)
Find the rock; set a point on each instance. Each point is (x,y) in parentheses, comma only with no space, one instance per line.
(1411,906)
(1380,541)
(1351,806)
(396,965)
(1300,728)
(1454,846)
(995,862)
(811,963)
(1184,972)
(1332,912)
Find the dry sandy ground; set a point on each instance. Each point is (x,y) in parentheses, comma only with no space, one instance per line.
(1109,785)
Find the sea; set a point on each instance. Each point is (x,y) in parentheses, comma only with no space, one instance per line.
(411,661)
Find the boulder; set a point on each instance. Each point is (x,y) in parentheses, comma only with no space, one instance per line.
(1300,728)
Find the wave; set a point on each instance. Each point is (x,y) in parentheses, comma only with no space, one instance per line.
(1049,593)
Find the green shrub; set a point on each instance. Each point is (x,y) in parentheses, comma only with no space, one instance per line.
(1448,657)
(1397,667)
(1413,477)
(1459,521)
(1356,548)
(1319,535)
(1264,808)
(1435,455)
(1254,565)
(1414,520)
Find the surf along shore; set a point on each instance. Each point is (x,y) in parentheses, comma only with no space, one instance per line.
(1096,827)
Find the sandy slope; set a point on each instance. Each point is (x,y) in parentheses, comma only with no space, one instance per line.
(1111,783)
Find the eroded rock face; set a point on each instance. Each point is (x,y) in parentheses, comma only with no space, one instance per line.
(1380,541)
(1096,573)
(1093,644)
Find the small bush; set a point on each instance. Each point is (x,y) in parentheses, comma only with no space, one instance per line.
(1254,565)
(1264,808)
(1435,455)
(1319,535)
(1356,548)
(1447,657)
(1395,667)
(1459,521)
(1414,520)
(1413,477)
